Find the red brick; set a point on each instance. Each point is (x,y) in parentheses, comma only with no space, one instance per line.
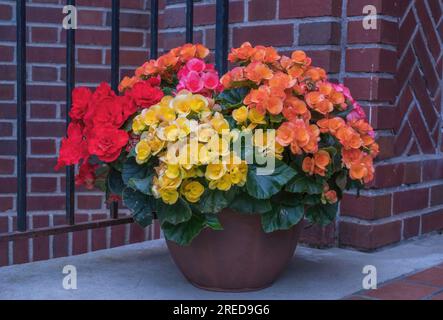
(118,235)
(205,14)
(6,53)
(44,14)
(8,185)
(327,59)
(401,290)
(387,145)
(309,8)
(20,250)
(5,129)
(46,203)
(5,12)
(7,33)
(319,237)
(6,204)
(45,129)
(431,277)
(411,227)
(410,200)
(386,33)
(372,89)
(4,246)
(131,39)
(7,92)
(43,184)
(412,173)
(7,72)
(369,237)
(41,165)
(8,147)
(262,10)
(366,207)
(7,166)
(438,297)
(43,111)
(44,74)
(42,146)
(89,202)
(40,244)
(169,40)
(437,195)
(80,238)
(46,92)
(137,233)
(129,57)
(319,33)
(89,56)
(98,236)
(90,17)
(60,241)
(46,55)
(264,35)
(44,35)
(371,60)
(432,221)
(432,170)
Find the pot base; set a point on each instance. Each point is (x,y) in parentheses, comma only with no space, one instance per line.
(239,258)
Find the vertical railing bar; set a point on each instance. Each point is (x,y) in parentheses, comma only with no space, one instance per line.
(21,115)
(189,21)
(154,29)
(221,35)
(115,68)
(70,84)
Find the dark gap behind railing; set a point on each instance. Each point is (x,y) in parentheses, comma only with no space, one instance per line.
(222,16)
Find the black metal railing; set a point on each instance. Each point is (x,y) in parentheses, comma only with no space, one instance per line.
(221,51)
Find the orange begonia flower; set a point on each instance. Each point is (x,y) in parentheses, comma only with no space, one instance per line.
(257,71)
(349,138)
(285,134)
(330,125)
(265,54)
(127,83)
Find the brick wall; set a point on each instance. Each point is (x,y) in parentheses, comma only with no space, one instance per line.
(395,72)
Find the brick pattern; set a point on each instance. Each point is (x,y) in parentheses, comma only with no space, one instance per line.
(424,285)
(402,74)
(73,243)
(395,72)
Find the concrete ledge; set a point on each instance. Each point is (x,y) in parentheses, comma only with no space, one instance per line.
(146,271)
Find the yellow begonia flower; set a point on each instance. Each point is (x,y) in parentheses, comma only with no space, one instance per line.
(181,104)
(172,132)
(215,171)
(172,171)
(165,113)
(150,116)
(169,196)
(241,114)
(198,103)
(184,125)
(238,173)
(167,183)
(222,184)
(193,172)
(205,132)
(165,101)
(142,151)
(219,123)
(192,190)
(138,125)
(256,117)
(156,145)
(217,147)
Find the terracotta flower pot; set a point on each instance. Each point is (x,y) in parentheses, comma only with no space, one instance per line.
(242,257)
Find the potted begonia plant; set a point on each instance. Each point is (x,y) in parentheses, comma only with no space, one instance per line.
(232,166)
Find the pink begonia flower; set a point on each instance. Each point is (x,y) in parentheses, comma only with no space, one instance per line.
(210,67)
(210,80)
(346,92)
(181,85)
(194,82)
(357,113)
(183,73)
(196,65)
